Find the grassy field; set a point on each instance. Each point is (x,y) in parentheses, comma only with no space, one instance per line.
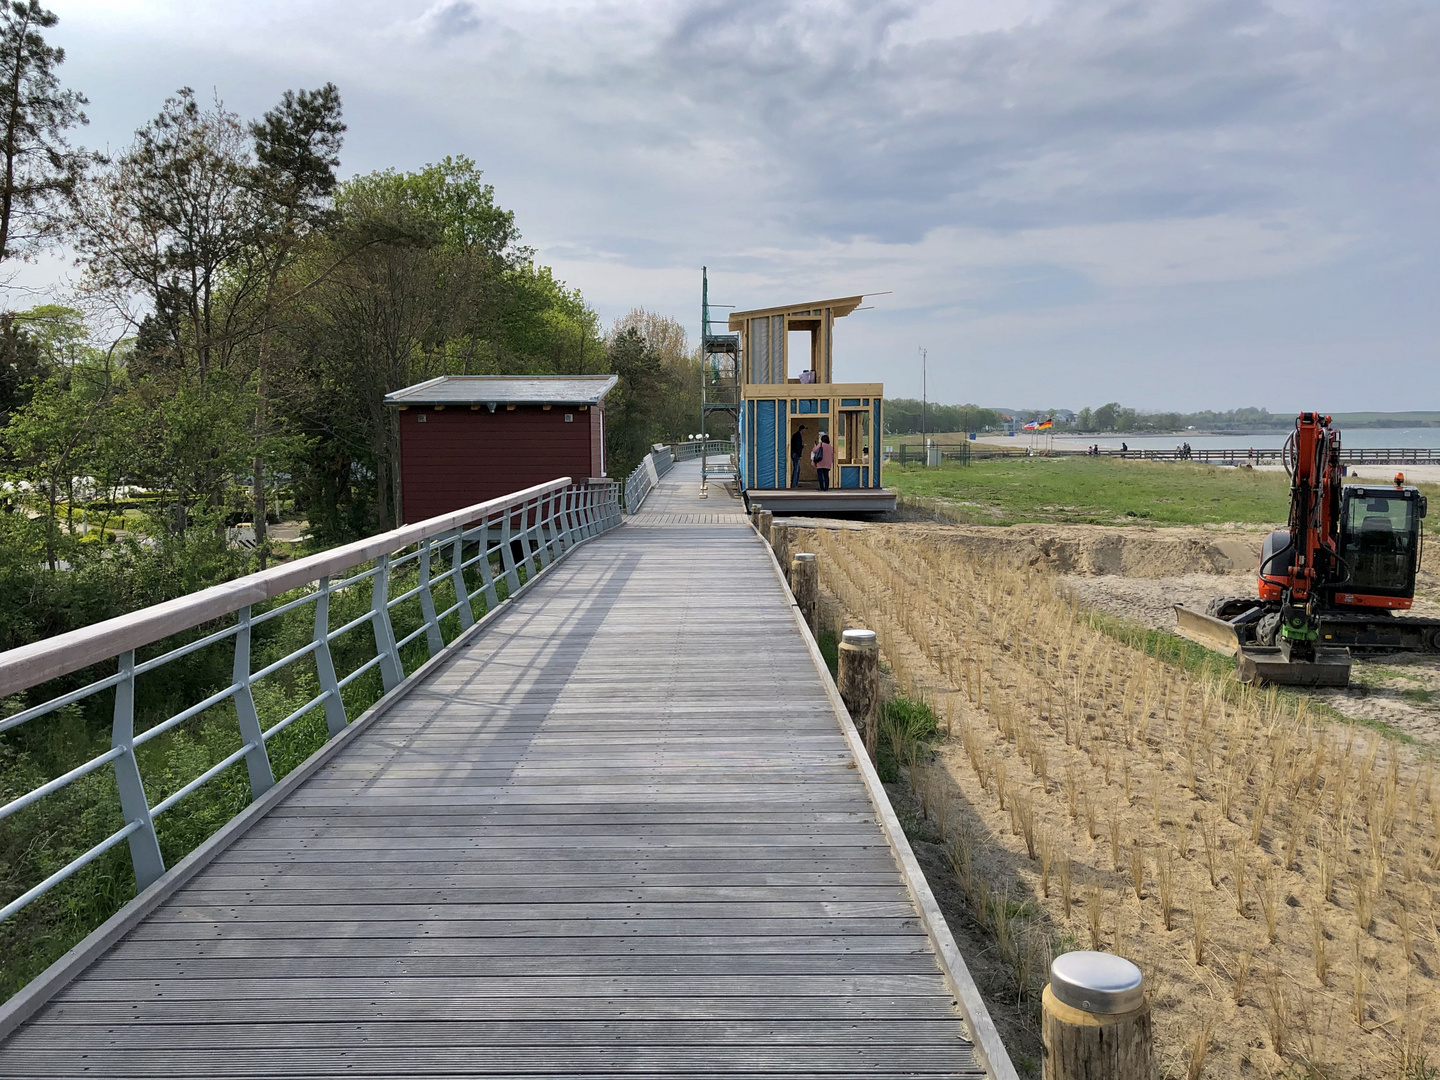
(1105,491)
(1096,491)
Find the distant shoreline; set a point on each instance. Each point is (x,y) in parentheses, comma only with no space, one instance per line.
(1248,433)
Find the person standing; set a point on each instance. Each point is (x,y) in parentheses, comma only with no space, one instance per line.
(824,458)
(797,451)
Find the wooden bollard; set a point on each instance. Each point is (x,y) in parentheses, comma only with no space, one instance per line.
(859,683)
(805,584)
(780,544)
(764,520)
(1095,1023)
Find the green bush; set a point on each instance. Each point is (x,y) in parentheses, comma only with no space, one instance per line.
(907,728)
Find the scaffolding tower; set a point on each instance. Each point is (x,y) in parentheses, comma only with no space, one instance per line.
(719,392)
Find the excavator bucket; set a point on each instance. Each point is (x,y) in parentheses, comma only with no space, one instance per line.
(1259,664)
(1207,630)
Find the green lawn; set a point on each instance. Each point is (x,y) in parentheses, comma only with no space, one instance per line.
(1101,491)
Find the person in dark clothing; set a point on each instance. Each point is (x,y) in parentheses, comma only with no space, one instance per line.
(797,452)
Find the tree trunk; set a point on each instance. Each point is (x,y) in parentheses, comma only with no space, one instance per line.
(50,526)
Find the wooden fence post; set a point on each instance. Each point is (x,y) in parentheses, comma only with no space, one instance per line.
(805,583)
(780,536)
(1095,1022)
(859,683)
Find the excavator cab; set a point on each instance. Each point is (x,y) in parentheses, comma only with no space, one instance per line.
(1379,544)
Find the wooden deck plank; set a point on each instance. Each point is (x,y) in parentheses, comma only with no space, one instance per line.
(618,833)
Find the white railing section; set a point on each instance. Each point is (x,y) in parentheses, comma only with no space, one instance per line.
(528,531)
(646,475)
(694,448)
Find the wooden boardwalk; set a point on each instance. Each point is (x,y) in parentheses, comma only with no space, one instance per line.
(619,832)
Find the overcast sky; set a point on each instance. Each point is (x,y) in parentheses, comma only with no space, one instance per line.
(1173,203)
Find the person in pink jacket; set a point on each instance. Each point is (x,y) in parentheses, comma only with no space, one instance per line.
(824,458)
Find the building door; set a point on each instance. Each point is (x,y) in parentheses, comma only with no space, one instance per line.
(814,426)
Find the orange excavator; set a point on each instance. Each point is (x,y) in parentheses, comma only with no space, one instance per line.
(1329,583)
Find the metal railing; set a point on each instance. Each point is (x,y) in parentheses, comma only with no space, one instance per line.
(646,475)
(694,448)
(528,531)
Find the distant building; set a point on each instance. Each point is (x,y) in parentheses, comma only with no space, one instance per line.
(468,438)
(776,405)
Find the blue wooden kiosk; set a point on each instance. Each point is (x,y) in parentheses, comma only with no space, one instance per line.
(774,405)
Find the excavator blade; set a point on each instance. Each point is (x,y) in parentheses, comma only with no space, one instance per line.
(1259,664)
(1206,630)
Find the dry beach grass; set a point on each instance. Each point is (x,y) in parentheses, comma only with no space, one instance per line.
(1274,874)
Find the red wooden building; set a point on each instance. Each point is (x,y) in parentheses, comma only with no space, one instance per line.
(468,438)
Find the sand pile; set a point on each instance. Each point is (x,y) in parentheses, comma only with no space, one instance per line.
(1098,550)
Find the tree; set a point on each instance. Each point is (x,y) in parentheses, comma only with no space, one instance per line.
(40,167)
(421,264)
(630,410)
(48,443)
(173,221)
(676,411)
(171,227)
(297,149)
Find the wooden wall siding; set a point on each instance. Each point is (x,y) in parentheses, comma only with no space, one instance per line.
(456,456)
(597,443)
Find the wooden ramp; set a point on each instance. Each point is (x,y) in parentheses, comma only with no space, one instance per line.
(620,832)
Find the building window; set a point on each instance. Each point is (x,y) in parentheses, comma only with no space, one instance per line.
(852,437)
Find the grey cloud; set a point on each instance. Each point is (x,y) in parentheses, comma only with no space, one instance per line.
(1158,109)
(458,18)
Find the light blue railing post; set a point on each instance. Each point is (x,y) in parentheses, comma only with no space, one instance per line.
(507,553)
(145,854)
(257,761)
(527,535)
(569,517)
(457,577)
(544,516)
(587,512)
(487,574)
(434,640)
(335,718)
(391,674)
(560,501)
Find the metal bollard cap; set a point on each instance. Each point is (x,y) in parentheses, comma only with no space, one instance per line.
(858,637)
(1097,982)
(804,556)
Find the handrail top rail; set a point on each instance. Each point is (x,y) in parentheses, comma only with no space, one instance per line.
(52,657)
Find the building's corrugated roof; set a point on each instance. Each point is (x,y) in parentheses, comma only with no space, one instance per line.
(506,390)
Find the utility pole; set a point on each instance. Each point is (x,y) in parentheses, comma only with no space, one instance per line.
(924,389)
